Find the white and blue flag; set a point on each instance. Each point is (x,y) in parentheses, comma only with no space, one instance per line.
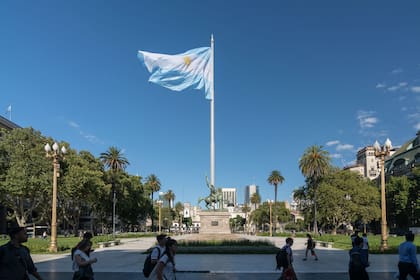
(192,69)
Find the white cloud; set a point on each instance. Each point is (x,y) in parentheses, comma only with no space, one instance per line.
(380,85)
(393,88)
(414,116)
(366,119)
(403,84)
(336,155)
(343,147)
(417,126)
(73,124)
(91,138)
(369,122)
(397,71)
(332,143)
(415,89)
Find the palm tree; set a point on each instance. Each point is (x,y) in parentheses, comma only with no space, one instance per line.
(314,164)
(153,184)
(179,212)
(246,209)
(170,197)
(255,199)
(114,160)
(274,179)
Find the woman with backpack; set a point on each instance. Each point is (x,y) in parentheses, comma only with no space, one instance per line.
(165,268)
(310,245)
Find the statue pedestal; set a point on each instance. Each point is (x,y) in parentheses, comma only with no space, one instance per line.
(214,222)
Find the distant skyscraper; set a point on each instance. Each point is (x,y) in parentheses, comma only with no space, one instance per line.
(249,191)
(229,197)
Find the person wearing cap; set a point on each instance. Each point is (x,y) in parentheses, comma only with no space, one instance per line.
(159,250)
(15,259)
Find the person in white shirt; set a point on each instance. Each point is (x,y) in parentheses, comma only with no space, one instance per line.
(159,250)
(165,268)
(82,261)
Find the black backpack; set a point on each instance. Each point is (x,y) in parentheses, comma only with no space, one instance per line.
(281,259)
(355,262)
(311,243)
(148,266)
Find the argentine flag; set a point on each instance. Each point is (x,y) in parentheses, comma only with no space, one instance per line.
(192,69)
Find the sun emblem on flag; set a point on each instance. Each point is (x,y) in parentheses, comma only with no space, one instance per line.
(187,60)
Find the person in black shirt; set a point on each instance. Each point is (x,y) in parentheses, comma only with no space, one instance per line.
(15,259)
(310,246)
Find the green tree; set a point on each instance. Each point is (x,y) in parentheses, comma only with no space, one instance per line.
(179,212)
(26,177)
(345,197)
(275,179)
(314,164)
(281,213)
(134,203)
(255,199)
(81,183)
(246,209)
(170,197)
(415,197)
(152,185)
(402,201)
(114,160)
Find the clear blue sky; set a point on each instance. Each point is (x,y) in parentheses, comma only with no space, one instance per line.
(288,75)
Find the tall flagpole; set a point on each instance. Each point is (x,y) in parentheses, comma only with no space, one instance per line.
(212,115)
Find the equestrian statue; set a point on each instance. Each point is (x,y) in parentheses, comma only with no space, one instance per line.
(213,198)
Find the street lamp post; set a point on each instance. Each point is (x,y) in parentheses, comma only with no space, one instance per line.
(381,153)
(56,155)
(270,204)
(159,203)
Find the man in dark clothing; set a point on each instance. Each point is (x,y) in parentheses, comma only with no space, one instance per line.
(15,259)
(353,237)
(357,264)
(310,246)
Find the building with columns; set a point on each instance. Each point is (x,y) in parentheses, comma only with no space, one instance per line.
(228,197)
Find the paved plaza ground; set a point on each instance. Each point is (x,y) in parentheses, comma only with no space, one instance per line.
(125,262)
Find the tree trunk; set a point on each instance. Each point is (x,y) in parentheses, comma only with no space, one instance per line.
(315,212)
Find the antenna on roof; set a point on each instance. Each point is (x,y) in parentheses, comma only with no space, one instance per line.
(9,111)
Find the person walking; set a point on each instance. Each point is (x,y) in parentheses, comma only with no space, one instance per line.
(159,250)
(408,264)
(82,262)
(357,264)
(288,270)
(310,246)
(165,268)
(86,236)
(15,258)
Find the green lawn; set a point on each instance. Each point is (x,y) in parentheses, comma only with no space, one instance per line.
(344,242)
(40,246)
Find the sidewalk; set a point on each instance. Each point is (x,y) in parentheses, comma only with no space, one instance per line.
(128,258)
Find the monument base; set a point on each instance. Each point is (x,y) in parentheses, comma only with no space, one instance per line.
(214,222)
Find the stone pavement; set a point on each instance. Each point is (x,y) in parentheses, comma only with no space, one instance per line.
(126,261)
